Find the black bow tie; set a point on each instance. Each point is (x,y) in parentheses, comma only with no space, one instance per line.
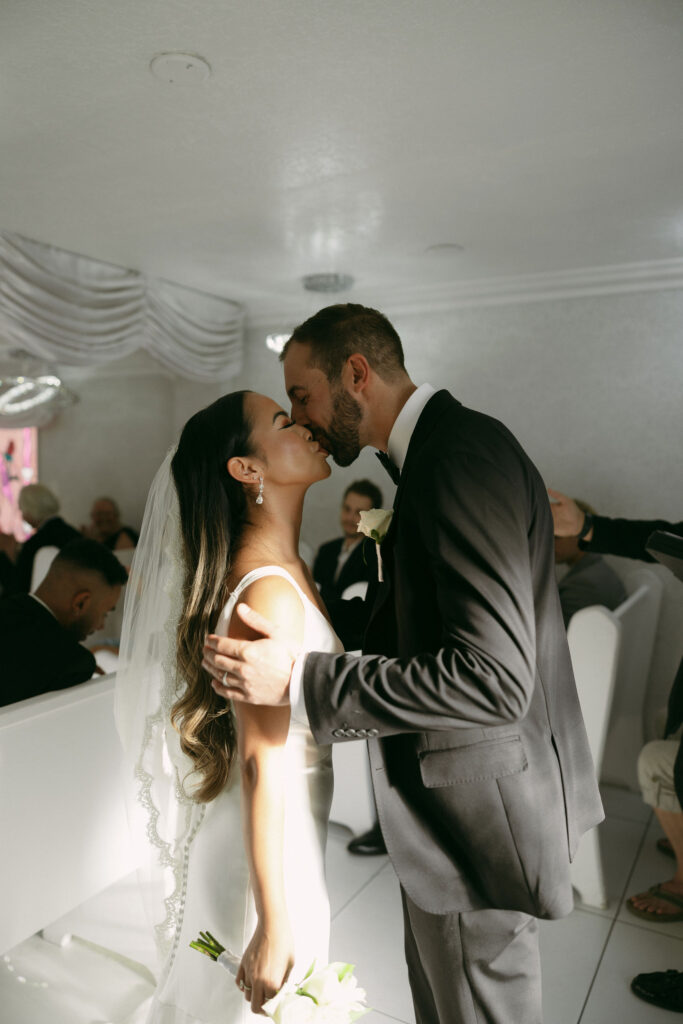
(390,466)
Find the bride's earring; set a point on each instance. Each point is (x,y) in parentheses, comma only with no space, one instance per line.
(259,496)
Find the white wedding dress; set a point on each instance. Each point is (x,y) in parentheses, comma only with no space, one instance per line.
(216,894)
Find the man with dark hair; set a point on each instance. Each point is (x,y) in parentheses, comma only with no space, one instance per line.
(346,559)
(336,332)
(40,633)
(481,767)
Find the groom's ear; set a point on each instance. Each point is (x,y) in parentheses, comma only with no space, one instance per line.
(357,372)
(80,602)
(243,470)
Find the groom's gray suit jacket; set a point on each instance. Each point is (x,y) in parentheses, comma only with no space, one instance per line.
(482,773)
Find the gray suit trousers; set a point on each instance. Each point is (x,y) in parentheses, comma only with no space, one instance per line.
(473,967)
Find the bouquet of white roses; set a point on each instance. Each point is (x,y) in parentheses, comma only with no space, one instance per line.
(329,995)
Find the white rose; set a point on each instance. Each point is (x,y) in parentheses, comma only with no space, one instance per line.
(323,985)
(337,993)
(290,1008)
(374,523)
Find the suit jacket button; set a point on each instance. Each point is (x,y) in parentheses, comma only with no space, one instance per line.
(338,733)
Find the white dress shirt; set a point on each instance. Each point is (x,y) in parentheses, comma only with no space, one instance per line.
(46,607)
(397,449)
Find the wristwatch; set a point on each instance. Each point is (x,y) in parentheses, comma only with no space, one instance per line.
(587,525)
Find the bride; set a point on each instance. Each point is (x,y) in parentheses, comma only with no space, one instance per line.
(233,801)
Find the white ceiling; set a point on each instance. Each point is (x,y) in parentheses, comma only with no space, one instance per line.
(540,135)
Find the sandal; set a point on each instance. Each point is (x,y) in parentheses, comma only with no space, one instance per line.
(664,846)
(653,915)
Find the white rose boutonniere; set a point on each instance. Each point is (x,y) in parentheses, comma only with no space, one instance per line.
(375,524)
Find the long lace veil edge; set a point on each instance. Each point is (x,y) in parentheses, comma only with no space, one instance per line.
(162,817)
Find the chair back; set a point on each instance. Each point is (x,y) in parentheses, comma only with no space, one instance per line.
(42,560)
(63,818)
(594,637)
(638,616)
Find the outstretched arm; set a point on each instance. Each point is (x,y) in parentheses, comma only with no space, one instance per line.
(262,734)
(625,537)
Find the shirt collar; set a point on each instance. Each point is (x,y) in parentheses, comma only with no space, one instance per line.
(46,607)
(405,423)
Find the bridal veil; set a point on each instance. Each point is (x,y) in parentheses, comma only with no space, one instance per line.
(162,816)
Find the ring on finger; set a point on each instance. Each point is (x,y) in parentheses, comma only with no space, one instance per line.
(224,678)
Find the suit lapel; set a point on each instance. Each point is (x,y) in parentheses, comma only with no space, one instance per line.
(428,420)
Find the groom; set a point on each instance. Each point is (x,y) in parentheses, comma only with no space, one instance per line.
(483,778)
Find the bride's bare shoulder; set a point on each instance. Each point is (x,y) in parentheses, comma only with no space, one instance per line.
(278,600)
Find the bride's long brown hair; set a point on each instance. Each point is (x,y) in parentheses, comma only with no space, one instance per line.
(213,510)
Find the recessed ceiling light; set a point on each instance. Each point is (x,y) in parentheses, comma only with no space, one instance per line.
(180,68)
(327,282)
(444,248)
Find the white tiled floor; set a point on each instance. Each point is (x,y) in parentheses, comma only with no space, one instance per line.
(588,959)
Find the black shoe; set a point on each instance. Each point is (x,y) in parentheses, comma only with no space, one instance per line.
(662,988)
(369,843)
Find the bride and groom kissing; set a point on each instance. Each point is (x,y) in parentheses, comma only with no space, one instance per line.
(480,764)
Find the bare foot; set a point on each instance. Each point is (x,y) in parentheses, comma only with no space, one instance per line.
(658,905)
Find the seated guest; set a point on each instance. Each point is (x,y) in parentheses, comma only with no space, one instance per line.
(662,902)
(346,560)
(40,633)
(40,509)
(107,528)
(589,580)
(660,765)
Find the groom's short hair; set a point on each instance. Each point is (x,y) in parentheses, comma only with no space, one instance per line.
(336,332)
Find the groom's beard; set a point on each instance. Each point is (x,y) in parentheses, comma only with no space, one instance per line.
(341,439)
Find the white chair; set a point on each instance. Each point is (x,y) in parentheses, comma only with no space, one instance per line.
(42,561)
(611,654)
(594,636)
(638,616)
(63,819)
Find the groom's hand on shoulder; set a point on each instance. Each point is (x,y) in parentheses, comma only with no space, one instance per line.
(254,664)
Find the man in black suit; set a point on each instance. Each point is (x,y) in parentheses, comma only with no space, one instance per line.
(40,508)
(338,564)
(40,633)
(481,767)
(346,560)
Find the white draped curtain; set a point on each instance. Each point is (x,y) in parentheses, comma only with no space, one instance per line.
(76,311)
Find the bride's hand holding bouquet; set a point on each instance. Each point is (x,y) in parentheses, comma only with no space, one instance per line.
(326,995)
(265,965)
